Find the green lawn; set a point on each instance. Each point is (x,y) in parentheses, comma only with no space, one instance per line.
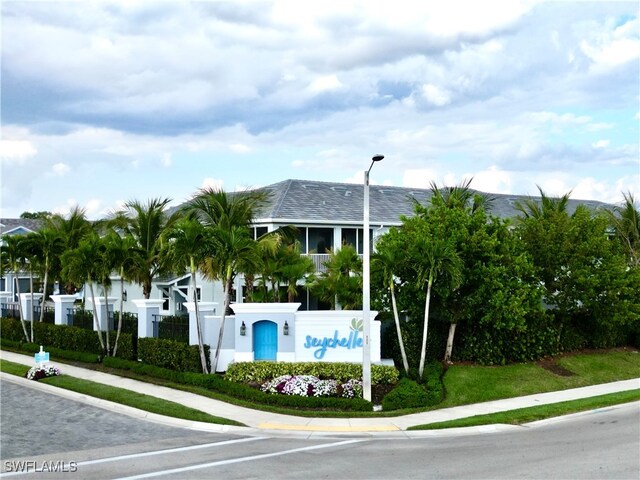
(122,396)
(467,384)
(531,414)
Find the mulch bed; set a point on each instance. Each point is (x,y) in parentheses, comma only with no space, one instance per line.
(551,365)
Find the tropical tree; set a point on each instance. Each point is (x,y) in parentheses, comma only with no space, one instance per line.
(546,207)
(625,219)
(146,222)
(84,265)
(341,283)
(439,260)
(587,279)
(293,267)
(227,217)
(187,244)
(121,254)
(72,228)
(386,260)
(46,245)
(13,259)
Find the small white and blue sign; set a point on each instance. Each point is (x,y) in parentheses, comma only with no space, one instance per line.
(41,356)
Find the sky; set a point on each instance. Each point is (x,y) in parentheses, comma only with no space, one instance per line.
(105,102)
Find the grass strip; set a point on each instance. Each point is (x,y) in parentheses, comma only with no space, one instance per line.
(532,414)
(122,396)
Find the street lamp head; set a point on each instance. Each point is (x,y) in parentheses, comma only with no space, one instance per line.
(377,158)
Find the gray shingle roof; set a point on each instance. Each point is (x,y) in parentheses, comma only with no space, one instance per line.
(9,224)
(313,201)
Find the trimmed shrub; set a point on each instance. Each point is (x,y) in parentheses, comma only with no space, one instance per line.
(171,354)
(406,394)
(56,353)
(65,337)
(244,372)
(238,390)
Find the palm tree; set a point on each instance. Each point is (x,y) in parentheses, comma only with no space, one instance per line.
(121,253)
(187,244)
(293,267)
(625,219)
(228,218)
(341,283)
(47,245)
(439,260)
(386,260)
(14,260)
(461,196)
(146,223)
(72,229)
(545,208)
(84,264)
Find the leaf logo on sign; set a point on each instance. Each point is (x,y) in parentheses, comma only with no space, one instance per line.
(356,325)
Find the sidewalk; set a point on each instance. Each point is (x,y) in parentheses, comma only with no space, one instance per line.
(274,422)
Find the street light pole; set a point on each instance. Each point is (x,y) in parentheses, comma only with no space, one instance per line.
(366,290)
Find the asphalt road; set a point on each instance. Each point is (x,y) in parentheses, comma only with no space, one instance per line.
(81,441)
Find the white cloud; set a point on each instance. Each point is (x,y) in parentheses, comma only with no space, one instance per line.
(614,47)
(166,160)
(436,95)
(16,151)
(60,169)
(601,144)
(240,148)
(325,83)
(212,183)
(420,178)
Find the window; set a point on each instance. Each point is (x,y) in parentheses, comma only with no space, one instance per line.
(320,240)
(355,238)
(259,231)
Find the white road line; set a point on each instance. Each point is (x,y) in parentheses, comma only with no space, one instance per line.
(239,460)
(148,454)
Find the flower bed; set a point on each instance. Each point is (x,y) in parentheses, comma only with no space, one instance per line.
(311,386)
(37,372)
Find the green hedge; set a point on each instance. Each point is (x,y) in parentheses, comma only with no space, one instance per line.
(406,394)
(409,393)
(171,354)
(55,353)
(238,390)
(244,372)
(65,337)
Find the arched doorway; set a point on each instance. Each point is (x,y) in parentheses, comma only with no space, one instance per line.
(265,340)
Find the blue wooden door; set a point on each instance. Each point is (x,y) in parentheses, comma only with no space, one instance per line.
(265,340)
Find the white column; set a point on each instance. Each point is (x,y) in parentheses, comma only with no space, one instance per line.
(103,312)
(146,311)
(204,308)
(25,300)
(62,304)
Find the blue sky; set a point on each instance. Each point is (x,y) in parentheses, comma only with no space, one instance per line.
(104,102)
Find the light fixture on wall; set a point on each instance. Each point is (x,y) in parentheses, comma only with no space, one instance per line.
(243,329)
(285,329)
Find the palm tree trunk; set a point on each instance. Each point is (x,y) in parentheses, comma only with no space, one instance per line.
(203,358)
(423,353)
(405,361)
(44,291)
(120,314)
(95,315)
(452,332)
(227,301)
(106,312)
(20,311)
(32,307)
